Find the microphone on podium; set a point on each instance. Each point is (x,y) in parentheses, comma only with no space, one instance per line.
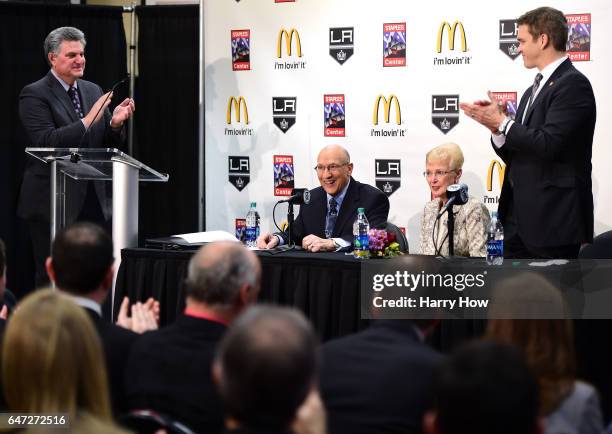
(457,195)
(299,196)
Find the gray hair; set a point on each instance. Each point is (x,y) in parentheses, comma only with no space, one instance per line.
(218,271)
(59,35)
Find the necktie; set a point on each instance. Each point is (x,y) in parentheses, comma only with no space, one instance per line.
(330,220)
(76,101)
(534,89)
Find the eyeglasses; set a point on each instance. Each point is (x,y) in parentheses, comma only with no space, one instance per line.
(437,174)
(332,167)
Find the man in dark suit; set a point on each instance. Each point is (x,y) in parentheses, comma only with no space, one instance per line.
(60,111)
(170,370)
(81,264)
(326,223)
(379,380)
(266,370)
(546,204)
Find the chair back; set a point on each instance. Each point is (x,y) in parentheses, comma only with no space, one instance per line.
(399,236)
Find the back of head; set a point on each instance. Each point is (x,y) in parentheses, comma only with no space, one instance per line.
(52,360)
(531,314)
(485,388)
(81,257)
(547,21)
(218,271)
(268,363)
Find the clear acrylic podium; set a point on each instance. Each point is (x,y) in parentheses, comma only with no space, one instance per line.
(98,164)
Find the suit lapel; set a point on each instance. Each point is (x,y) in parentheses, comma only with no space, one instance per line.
(322,214)
(62,96)
(86,101)
(547,87)
(348,207)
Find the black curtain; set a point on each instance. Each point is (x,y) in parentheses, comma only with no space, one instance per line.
(23,28)
(167,117)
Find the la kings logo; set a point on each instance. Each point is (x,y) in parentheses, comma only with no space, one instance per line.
(284,112)
(508,42)
(239,171)
(341,43)
(388,175)
(445,111)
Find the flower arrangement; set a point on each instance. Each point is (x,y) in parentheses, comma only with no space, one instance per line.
(383,244)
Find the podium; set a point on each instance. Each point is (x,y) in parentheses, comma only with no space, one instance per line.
(98,164)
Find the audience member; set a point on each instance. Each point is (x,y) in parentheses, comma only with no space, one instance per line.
(484,388)
(380,379)
(266,368)
(568,405)
(52,363)
(169,371)
(81,264)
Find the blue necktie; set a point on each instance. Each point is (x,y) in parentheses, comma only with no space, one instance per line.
(330,219)
(76,101)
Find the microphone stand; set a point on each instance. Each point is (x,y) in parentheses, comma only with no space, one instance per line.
(290,218)
(451,231)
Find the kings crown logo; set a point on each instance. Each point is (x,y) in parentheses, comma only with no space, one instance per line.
(341,43)
(445,111)
(239,171)
(284,112)
(388,175)
(508,42)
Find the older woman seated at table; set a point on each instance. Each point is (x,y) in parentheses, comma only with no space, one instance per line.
(443,167)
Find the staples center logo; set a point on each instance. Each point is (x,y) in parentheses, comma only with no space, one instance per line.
(387,108)
(239,107)
(288,36)
(501,171)
(452,33)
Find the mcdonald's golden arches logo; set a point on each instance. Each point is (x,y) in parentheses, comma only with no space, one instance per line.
(501,171)
(452,33)
(387,106)
(237,104)
(288,36)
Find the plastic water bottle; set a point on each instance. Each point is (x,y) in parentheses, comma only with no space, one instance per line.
(361,243)
(252,226)
(495,241)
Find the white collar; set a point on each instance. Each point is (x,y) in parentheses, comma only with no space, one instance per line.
(87,303)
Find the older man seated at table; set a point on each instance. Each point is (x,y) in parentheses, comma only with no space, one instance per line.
(326,222)
(443,167)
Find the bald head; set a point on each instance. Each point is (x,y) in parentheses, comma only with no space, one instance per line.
(218,271)
(334,169)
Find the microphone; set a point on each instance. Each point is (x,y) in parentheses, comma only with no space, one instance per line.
(457,195)
(300,196)
(123,80)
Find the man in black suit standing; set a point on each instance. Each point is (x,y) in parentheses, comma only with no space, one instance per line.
(546,204)
(169,371)
(81,265)
(326,223)
(62,110)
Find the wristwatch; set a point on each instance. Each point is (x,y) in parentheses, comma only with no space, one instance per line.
(502,127)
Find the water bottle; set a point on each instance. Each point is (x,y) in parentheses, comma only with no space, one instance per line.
(361,243)
(495,241)
(252,226)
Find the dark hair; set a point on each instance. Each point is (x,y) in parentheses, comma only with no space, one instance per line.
(484,388)
(2,257)
(81,255)
(546,21)
(269,362)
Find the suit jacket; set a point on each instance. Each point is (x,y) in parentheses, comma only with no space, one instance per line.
(169,370)
(471,221)
(311,219)
(50,121)
(379,380)
(116,342)
(548,162)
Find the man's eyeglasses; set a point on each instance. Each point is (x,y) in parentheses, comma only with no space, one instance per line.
(332,167)
(437,174)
